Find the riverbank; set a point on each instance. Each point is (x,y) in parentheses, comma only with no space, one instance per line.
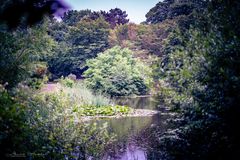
(89,112)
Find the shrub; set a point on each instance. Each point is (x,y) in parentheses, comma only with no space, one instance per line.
(38,76)
(53,116)
(44,126)
(12,126)
(204,73)
(67,82)
(117,73)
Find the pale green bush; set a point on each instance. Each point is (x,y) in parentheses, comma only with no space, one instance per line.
(117,73)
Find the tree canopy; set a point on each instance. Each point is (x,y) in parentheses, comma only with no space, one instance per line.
(114,16)
(170,9)
(202,73)
(84,41)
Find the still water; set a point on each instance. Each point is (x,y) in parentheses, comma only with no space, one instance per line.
(132,133)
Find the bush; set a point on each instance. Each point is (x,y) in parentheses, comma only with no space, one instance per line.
(38,76)
(117,73)
(53,116)
(204,73)
(12,126)
(67,82)
(36,127)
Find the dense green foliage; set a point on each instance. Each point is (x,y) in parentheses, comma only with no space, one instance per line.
(117,73)
(20,50)
(170,9)
(142,38)
(72,17)
(11,123)
(190,47)
(52,117)
(84,41)
(37,128)
(81,35)
(202,76)
(114,17)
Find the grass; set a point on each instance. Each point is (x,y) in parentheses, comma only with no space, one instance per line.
(81,100)
(81,95)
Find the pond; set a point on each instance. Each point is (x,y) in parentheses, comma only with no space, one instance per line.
(132,132)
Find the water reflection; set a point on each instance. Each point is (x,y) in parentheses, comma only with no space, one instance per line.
(132,133)
(133,152)
(139,102)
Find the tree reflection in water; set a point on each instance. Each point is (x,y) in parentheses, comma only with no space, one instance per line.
(133,134)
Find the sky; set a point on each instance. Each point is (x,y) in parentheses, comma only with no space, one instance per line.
(136,9)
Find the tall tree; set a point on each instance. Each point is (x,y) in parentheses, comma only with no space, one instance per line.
(114,17)
(72,17)
(170,9)
(85,41)
(205,74)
